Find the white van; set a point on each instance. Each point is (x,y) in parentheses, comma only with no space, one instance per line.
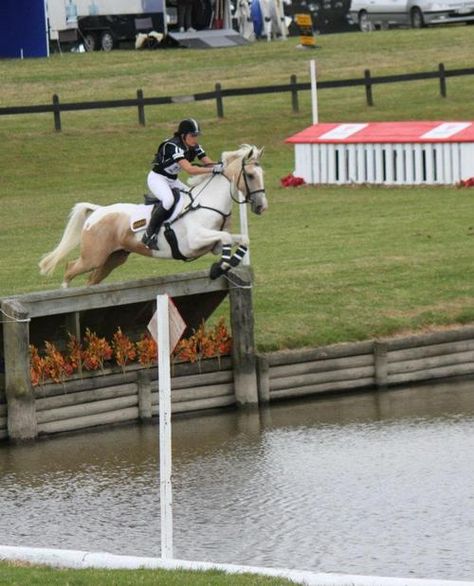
(368,14)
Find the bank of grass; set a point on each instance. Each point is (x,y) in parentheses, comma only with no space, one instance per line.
(331,263)
(14,574)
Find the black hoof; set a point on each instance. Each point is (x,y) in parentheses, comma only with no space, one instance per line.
(216,271)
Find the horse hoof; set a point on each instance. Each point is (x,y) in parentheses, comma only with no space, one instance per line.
(216,271)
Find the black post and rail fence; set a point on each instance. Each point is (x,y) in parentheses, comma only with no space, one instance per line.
(293,87)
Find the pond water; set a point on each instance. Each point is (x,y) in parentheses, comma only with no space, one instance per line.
(375,483)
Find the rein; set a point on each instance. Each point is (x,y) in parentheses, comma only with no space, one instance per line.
(192,206)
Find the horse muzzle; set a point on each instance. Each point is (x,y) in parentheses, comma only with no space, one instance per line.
(259,204)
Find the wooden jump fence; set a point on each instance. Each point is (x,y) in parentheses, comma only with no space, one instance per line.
(97,400)
(219,93)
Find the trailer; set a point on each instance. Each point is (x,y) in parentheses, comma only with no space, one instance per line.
(103,24)
(34,28)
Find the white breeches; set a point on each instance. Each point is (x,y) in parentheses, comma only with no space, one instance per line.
(161,187)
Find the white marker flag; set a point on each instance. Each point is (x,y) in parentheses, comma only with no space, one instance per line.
(176,323)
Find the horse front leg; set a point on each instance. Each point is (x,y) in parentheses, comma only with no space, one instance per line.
(228,260)
(212,239)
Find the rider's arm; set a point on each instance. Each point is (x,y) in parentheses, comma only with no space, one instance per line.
(207,161)
(193,169)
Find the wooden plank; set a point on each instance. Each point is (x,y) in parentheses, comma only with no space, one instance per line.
(436,348)
(313,354)
(93,395)
(339,386)
(322,365)
(3,434)
(432,373)
(108,295)
(3,410)
(211,378)
(432,362)
(364,372)
(98,419)
(86,384)
(197,393)
(86,409)
(200,404)
(3,423)
(415,341)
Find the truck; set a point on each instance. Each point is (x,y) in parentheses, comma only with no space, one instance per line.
(102,24)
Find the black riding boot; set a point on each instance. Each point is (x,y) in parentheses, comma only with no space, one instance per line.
(158,216)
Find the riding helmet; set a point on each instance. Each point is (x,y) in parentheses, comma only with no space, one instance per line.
(189,126)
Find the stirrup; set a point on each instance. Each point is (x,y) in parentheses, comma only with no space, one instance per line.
(150,241)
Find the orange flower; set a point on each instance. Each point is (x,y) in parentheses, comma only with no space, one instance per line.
(123,348)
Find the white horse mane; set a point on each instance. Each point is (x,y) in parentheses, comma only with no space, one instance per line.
(245,151)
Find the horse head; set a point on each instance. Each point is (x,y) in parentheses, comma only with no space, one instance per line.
(243,169)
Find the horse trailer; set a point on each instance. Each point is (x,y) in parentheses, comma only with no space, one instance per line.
(103,24)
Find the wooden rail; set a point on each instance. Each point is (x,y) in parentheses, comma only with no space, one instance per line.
(219,93)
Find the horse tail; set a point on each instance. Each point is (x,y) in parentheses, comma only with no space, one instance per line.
(70,239)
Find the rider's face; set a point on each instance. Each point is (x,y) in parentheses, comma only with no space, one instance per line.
(191,139)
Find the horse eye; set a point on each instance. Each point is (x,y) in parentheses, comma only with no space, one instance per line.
(250,176)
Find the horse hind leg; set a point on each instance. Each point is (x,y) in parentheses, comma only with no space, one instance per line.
(75,268)
(116,259)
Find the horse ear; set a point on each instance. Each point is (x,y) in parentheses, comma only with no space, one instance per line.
(249,154)
(260,152)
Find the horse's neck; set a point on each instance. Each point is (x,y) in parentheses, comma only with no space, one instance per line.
(217,194)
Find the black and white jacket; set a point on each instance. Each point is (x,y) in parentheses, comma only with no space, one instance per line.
(170,152)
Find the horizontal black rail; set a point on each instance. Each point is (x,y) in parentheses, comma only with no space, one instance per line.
(368,81)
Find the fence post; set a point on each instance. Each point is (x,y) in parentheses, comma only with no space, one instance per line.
(244,359)
(294,94)
(368,88)
(380,364)
(141,108)
(442,80)
(57,113)
(219,101)
(21,408)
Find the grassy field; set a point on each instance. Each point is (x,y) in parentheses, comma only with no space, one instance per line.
(331,263)
(25,575)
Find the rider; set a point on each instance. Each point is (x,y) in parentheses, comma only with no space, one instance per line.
(173,155)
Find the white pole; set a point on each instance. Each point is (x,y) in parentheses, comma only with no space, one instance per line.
(164,385)
(314,91)
(244,229)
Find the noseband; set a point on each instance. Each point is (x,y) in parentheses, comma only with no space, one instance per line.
(249,194)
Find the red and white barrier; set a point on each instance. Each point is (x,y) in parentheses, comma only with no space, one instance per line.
(390,153)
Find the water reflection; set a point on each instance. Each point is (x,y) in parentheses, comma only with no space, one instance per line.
(368,483)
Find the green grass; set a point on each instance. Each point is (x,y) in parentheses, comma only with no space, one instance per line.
(13,574)
(331,263)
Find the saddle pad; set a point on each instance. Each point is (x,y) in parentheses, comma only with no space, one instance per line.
(141,215)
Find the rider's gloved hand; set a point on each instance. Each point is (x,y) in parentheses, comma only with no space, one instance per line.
(218,168)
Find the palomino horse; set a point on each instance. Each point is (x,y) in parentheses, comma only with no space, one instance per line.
(108,234)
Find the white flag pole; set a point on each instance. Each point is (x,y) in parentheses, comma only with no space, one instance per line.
(244,229)
(164,386)
(314,91)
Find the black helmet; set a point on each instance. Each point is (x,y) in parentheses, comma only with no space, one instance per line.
(188,126)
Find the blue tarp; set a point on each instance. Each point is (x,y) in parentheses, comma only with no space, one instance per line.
(23,28)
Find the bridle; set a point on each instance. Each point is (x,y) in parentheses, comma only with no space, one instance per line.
(248,196)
